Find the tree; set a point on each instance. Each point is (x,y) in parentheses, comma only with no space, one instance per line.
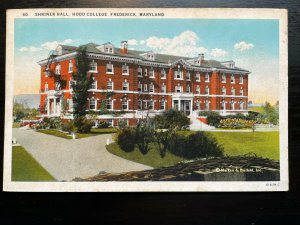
(170,119)
(82,83)
(271,113)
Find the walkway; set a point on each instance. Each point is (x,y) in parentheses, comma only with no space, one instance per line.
(66,159)
(198,125)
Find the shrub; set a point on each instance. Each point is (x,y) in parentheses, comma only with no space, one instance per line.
(170,119)
(195,145)
(144,135)
(103,124)
(68,127)
(126,139)
(236,123)
(122,123)
(53,122)
(83,124)
(213,118)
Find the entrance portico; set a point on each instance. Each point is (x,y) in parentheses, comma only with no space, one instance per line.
(53,104)
(183,102)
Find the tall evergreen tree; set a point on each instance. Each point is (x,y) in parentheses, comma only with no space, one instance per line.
(82,83)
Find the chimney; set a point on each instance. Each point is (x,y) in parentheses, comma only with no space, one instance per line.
(201,59)
(124,47)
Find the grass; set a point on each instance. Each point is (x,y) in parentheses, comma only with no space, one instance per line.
(259,109)
(152,158)
(16,125)
(263,144)
(26,168)
(94,131)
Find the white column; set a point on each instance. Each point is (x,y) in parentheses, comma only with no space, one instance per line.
(179,105)
(48,106)
(54,107)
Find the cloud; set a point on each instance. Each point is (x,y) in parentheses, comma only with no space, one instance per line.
(133,42)
(218,52)
(51,45)
(242,46)
(29,49)
(184,44)
(142,42)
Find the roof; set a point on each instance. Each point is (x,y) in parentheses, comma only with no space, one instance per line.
(162,58)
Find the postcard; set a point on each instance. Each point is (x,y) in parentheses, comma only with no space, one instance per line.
(144,99)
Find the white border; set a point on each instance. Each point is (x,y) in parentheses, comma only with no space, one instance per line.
(184,13)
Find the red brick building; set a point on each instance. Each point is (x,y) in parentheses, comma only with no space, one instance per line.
(128,84)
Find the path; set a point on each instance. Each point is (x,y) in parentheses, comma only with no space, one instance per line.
(66,159)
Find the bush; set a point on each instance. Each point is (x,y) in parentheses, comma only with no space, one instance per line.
(195,145)
(53,122)
(103,124)
(213,118)
(170,119)
(236,123)
(68,127)
(126,139)
(83,124)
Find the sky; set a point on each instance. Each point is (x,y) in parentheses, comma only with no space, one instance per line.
(252,44)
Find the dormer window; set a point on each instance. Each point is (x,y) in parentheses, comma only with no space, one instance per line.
(106,48)
(148,55)
(93,67)
(125,69)
(109,68)
(206,77)
(163,74)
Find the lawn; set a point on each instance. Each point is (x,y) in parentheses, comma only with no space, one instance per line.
(263,144)
(94,131)
(26,168)
(152,158)
(259,109)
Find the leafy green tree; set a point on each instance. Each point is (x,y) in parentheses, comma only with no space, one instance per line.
(144,135)
(22,111)
(170,119)
(82,83)
(271,113)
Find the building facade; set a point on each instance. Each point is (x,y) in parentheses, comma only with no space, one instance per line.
(129,84)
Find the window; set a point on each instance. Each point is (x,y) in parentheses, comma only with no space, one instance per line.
(145,87)
(163,88)
(207,90)
(241,79)
(232,79)
(46,87)
(93,67)
(197,105)
(163,74)
(206,77)
(94,85)
(223,90)
(124,104)
(241,103)
(197,77)
(57,69)
(232,105)
(47,71)
(206,104)
(70,104)
(188,75)
(145,72)
(110,85)
(223,105)
(145,104)
(140,87)
(188,89)
(70,84)
(125,86)
(151,73)
(223,78)
(198,89)
(109,68)
(140,104)
(140,72)
(232,91)
(125,69)
(241,92)
(151,88)
(92,104)
(162,104)
(70,67)
(151,104)
(110,50)
(178,75)
(110,122)
(178,89)
(108,103)
(57,86)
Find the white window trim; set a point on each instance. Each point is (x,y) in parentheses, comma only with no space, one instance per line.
(241,92)
(163,88)
(180,73)
(207,90)
(232,92)
(58,69)
(163,74)
(46,87)
(223,81)
(126,104)
(112,85)
(93,71)
(188,78)
(95,108)
(198,77)
(207,76)
(112,104)
(224,88)
(145,87)
(232,81)
(188,90)
(145,73)
(127,74)
(164,105)
(241,79)
(127,86)
(94,82)
(140,85)
(153,89)
(70,70)
(112,69)
(153,73)
(176,89)
(140,75)
(198,90)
